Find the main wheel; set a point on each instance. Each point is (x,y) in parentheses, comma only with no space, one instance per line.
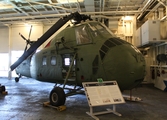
(57,97)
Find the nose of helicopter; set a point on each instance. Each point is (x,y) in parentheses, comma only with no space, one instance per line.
(125,64)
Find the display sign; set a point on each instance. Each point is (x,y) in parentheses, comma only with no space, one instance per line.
(103,93)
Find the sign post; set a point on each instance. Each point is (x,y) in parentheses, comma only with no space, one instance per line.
(102,93)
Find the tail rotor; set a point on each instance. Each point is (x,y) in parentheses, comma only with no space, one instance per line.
(28,42)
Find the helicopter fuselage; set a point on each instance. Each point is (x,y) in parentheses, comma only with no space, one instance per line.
(84,53)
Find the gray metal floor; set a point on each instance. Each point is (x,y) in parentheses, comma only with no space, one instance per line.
(24,98)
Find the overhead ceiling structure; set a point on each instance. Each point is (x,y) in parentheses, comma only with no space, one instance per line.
(20,11)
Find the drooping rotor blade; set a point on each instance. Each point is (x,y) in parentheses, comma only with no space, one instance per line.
(44,37)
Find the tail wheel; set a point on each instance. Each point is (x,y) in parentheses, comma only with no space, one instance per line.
(57,97)
(17,79)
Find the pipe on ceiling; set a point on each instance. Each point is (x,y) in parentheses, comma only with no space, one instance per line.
(63,14)
(146,9)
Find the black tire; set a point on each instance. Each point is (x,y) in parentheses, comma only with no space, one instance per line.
(57,97)
(16,79)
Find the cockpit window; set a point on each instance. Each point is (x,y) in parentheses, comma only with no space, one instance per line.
(97,28)
(82,36)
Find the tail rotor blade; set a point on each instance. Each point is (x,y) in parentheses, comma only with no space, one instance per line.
(30,33)
(22,36)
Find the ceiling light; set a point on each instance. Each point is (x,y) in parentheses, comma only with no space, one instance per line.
(127,18)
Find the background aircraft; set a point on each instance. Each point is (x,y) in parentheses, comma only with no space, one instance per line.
(80,53)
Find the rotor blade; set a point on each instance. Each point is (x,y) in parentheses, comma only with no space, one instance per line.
(22,36)
(43,38)
(30,33)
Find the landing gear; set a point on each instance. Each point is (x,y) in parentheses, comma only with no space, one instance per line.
(57,96)
(16,79)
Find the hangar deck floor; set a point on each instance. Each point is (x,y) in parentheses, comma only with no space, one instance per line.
(24,98)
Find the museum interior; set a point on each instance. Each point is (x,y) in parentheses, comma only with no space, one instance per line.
(75,59)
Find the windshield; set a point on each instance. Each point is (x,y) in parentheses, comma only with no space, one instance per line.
(84,33)
(82,36)
(98,29)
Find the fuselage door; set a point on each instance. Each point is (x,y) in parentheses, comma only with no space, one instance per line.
(68,67)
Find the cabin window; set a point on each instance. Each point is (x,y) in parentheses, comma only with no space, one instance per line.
(44,62)
(67,61)
(82,36)
(53,60)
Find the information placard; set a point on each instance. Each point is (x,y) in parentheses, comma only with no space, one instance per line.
(104,93)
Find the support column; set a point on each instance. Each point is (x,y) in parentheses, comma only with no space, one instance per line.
(134,25)
(161,13)
(155,15)
(9,51)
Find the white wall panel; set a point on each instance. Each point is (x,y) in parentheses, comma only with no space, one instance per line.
(138,37)
(113,25)
(163,29)
(128,31)
(150,31)
(4,39)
